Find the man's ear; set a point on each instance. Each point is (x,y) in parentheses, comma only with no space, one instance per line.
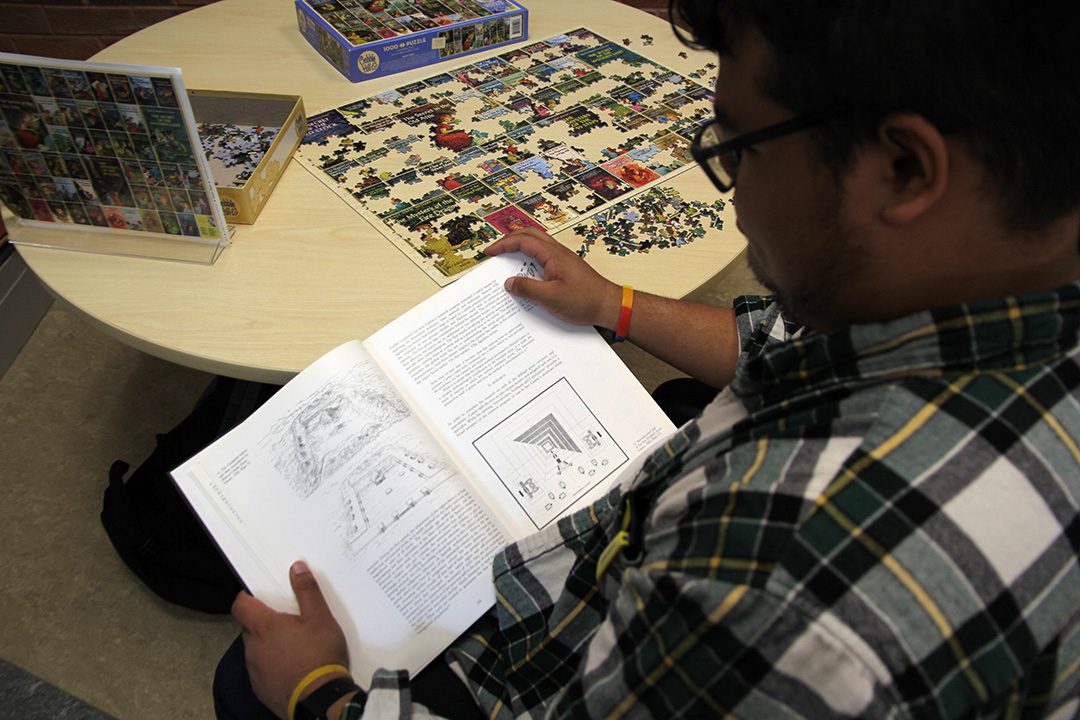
(918,166)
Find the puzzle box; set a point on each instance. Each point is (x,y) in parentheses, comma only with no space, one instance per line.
(367,39)
(248,139)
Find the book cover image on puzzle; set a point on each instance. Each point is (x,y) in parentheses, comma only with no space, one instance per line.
(103,146)
(542,136)
(363,21)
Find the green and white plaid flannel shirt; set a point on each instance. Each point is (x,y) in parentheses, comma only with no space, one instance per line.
(879,522)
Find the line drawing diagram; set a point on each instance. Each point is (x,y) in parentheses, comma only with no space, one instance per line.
(392,481)
(331,426)
(549,452)
(350,438)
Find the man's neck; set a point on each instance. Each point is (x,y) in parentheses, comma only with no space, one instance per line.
(948,269)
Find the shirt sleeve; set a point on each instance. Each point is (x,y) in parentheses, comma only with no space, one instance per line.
(677,645)
(710,624)
(761,322)
(389,696)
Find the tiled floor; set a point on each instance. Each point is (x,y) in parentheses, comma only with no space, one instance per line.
(70,611)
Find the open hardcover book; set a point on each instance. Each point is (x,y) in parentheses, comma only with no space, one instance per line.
(398,466)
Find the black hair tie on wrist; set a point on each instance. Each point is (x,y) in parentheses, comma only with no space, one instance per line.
(315,705)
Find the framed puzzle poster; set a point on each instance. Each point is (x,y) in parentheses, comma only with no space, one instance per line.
(109,155)
(546,135)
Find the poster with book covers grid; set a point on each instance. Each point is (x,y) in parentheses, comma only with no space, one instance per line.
(94,146)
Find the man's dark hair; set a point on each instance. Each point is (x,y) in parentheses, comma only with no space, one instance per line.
(1001,73)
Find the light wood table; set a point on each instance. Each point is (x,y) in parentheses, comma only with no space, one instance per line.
(310,273)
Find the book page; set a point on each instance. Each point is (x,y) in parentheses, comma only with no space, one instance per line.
(541,413)
(336,470)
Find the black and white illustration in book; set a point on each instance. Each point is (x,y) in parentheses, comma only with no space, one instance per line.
(550,452)
(351,438)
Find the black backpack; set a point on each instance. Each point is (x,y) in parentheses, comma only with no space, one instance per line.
(150,523)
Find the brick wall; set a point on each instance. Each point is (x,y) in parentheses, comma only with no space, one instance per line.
(76,29)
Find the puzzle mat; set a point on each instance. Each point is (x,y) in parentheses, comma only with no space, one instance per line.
(544,135)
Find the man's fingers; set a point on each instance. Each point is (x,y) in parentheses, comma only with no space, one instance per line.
(531,289)
(252,614)
(500,246)
(308,595)
(249,612)
(534,243)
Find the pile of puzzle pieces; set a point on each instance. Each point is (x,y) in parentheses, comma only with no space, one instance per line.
(657,219)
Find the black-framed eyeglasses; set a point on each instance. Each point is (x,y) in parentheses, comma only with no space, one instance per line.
(720,156)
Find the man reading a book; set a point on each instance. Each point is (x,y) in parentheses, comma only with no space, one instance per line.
(877,516)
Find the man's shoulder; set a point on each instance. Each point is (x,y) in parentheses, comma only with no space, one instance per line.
(921,423)
(899,452)
(923,514)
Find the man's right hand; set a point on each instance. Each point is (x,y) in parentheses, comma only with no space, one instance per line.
(571,290)
(699,340)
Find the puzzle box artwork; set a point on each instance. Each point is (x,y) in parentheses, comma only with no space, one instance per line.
(544,135)
(366,39)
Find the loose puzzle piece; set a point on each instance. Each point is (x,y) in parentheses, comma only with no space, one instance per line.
(538,136)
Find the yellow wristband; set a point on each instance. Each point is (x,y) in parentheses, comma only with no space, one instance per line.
(622,328)
(306,682)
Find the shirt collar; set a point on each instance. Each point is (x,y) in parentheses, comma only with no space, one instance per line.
(1005,334)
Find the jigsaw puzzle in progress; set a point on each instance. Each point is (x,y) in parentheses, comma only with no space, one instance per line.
(543,135)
